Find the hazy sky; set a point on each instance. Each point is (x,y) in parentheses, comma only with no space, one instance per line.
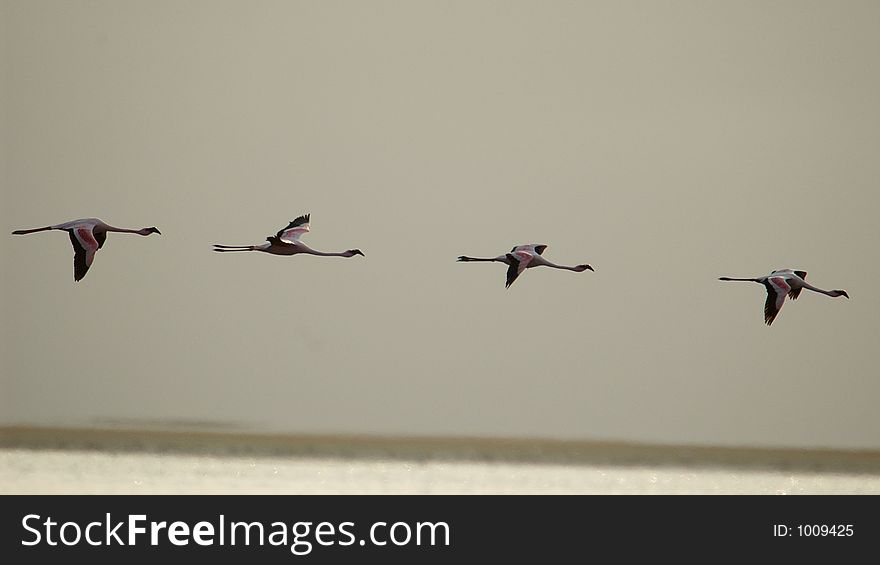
(665,143)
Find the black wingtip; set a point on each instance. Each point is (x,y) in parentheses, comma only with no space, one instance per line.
(512,269)
(304,219)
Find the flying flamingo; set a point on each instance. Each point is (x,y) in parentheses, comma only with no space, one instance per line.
(782,282)
(87,236)
(524,257)
(287,242)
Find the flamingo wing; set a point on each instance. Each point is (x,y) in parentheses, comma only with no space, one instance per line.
(519,262)
(530,248)
(795,292)
(777,288)
(513,270)
(294,230)
(84,247)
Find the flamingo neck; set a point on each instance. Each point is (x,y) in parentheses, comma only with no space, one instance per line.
(120,230)
(546,263)
(832,293)
(327,254)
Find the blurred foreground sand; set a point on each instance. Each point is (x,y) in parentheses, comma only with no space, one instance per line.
(42,461)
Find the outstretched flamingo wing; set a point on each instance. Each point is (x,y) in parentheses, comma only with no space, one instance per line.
(84,247)
(294,230)
(100,237)
(513,270)
(518,260)
(795,292)
(777,288)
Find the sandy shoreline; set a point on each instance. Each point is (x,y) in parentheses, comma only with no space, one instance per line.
(105,461)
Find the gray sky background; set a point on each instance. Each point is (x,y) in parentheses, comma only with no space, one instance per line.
(665,143)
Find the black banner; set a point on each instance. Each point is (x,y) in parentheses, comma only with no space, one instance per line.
(408,529)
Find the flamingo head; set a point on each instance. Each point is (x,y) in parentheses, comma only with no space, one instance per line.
(840,293)
(584,267)
(148,231)
(353,252)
